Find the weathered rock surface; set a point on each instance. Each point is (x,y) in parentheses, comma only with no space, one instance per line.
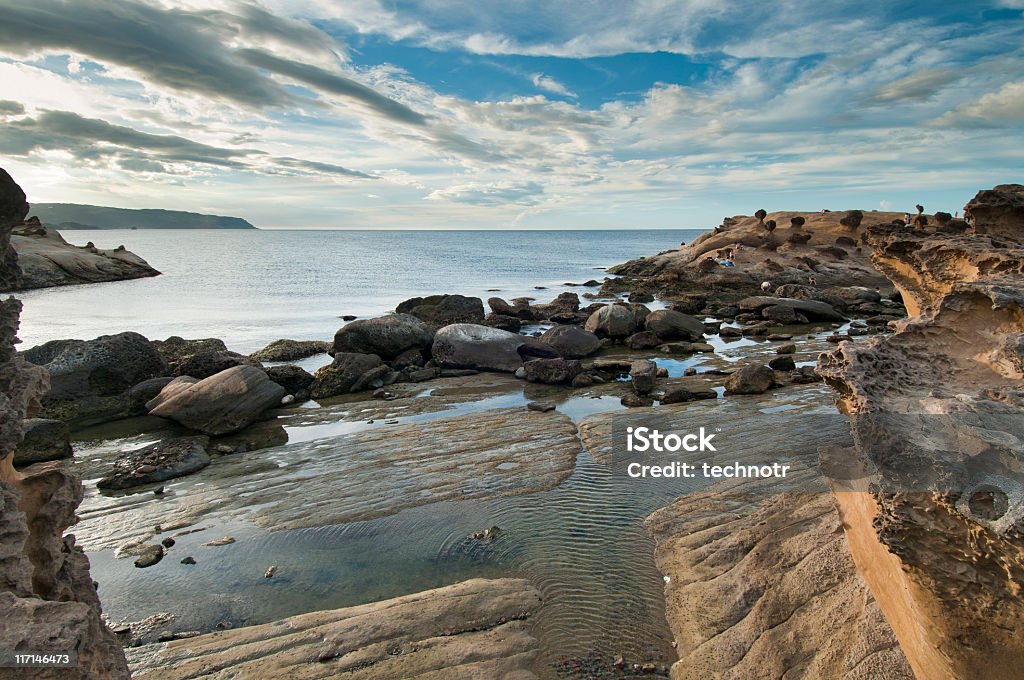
(47,596)
(44,440)
(13,209)
(291,350)
(294,379)
(464,345)
(349,372)
(941,422)
(473,629)
(204,364)
(176,350)
(814,310)
(90,380)
(47,260)
(386,336)
(221,404)
(752,378)
(157,462)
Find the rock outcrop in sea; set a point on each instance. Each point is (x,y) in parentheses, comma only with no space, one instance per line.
(932,499)
(47,596)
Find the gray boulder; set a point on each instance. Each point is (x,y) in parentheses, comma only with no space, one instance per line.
(814,310)
(349,372)
(643,373)
(465,345)
(750,379)
(612,321)
(572,342)
(44,440)
(157,463)
(204,364)
(223,403)
(442,310)
(294,379)
(291,350)
(386,336)
(670,325)
(176,349)
(551,371)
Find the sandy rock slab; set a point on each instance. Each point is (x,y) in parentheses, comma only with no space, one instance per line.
(474,629)
(47,260)
(351,477)
(765,587)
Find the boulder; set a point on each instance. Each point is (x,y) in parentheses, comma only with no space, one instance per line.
(851,295)
(140,394)
(670,325)
(291,350)
(641,296)
(349,372)
(204,364)
(571,342)
(512,324)
(386,336)
(612,321)
(223,403)
(679,395)
(643,373)
(812,309)
(786,348)
(643,340)
(465,345)
(566,304)
(44,440)
(294,379)
(750,379)
(692,303)
(157,462)
(783,362)
(551,371)
(176,349)
(781,314)
(443,310)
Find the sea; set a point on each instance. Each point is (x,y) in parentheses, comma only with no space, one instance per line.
(250,287)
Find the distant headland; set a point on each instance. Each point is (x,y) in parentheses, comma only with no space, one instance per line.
(78,216)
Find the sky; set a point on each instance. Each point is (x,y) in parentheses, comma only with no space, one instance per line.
(533,114)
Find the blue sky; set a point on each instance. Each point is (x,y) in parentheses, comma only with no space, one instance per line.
(554,114)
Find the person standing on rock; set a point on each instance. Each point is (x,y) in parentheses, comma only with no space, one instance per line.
(766,287)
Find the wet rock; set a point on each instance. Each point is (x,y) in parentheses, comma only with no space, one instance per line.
(217,542)
(730,332)
(689,371)
(294,379)
(512,324)
(782,363)
(488,349)
(669,325)
(612,321)
(146,390)
(348,372)
(291,350)
(150,555)
(641,296)
(633,400)
(689,304)
(804,376)
(582,380)
(679,395)
(167,542)
(643,340)
(786,348)
(571,342)
(43,440)
(271,571)
(541,406)
(643,373)
(750,379)
(782,314)
(188,560)
(388,336)
(551,371)
(444,310)
(223,403)
(204,364)
(157,462)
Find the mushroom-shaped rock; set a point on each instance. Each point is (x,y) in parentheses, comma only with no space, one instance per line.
(612,321)
(386,336)
(761,214)
(797,222)
(572,342)
(852,219)
(670,325)
(223,403)
(466,345)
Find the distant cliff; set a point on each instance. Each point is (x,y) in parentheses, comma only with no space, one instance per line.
(76,216)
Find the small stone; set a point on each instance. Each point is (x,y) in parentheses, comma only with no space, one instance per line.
(226,540)
(167,542)
(145,469)
(188,560)
(348,317)
(224,448)
(150,555)
(542,406)
(271,570)
(159,491)
(121,630)
(287,399)
(690,371)
(391,421)
(786,348)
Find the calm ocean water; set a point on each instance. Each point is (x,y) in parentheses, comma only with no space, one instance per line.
(251,287)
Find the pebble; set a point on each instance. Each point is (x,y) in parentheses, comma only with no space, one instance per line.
(188,560)
(391,421)
(226,540)
(167,542)
(690,371)
(159,491)
(271,570)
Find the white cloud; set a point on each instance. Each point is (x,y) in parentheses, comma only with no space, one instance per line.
(549,84)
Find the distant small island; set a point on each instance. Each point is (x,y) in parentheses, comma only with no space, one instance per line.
(76,216)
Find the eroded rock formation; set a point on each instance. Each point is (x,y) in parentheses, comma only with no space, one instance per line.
(47,597)
(938,420)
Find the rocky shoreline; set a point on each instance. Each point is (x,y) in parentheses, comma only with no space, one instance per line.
(471,404)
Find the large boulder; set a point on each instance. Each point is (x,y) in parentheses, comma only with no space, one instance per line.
(349,372)
(566,304)
(750,379)
(291,350)
(643,373)
(671,325)
(442,310)
(572,342)
(205,364)
(176,349)
(221,404)
(612,321)
(386,336)
(551,371)
(814,310)
(998,211)
(294,379)
(44,440)
(465,345)
(521,308)
(157,462)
